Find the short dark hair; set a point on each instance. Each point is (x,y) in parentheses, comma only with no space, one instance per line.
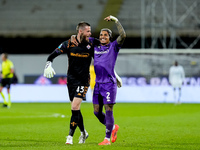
(82,24)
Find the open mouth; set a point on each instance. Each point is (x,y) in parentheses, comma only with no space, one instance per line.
(103,40)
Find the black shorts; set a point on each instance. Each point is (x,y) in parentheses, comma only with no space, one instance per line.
(6,82)
(77,91)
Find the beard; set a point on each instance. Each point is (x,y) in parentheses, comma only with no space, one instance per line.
(83,38)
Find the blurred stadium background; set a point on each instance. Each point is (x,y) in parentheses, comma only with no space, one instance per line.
(158,33)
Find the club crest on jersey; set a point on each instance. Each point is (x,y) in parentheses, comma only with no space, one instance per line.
(88,46)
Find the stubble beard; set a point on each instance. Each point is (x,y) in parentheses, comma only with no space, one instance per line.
(83,38)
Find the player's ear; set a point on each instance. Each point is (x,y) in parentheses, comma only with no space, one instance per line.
(81,30)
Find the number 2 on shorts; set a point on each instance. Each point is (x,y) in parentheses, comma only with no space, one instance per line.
(108,96)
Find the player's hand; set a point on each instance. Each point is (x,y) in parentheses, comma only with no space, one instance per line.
(49,71)
(119,80)
(73,40)
(111,18)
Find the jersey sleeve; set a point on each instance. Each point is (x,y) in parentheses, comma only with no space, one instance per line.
(91,40)
(61,49)
(94,41)
(116,46)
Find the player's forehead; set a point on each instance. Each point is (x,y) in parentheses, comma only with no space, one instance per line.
(103,33)
(87,28)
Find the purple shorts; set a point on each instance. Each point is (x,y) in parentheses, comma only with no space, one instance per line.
(105,92)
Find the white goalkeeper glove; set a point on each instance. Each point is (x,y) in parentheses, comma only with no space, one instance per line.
(112,18)
(49,71)
(119,80)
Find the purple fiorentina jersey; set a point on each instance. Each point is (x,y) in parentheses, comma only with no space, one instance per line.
(104,61)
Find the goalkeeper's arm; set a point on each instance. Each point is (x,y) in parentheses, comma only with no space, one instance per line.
(48,70)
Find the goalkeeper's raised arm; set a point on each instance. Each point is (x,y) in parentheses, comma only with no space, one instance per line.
(122,33)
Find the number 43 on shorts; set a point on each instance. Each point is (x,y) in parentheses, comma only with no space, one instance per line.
(80,89)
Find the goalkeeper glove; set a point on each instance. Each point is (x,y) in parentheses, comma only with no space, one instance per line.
(49,71)
(119,80)
(112,18)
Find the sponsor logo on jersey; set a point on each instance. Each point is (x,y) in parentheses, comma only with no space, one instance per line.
(85,55)
(101,52)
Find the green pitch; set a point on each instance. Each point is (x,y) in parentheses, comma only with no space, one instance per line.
(44,126)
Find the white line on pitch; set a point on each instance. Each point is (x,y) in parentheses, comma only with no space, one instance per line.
(56,115)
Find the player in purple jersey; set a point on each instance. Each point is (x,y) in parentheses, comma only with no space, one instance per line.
(105,55)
